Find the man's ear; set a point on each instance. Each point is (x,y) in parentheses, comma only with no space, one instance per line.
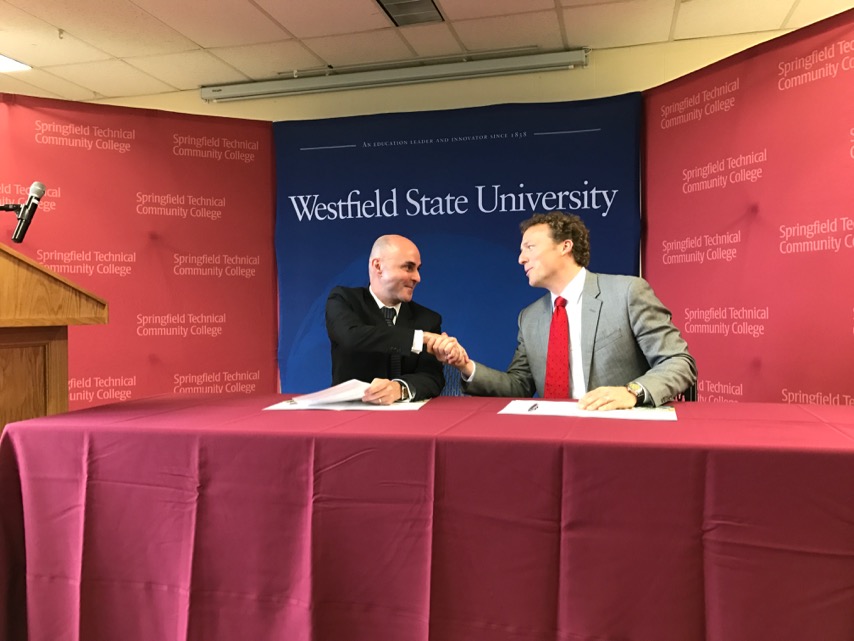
(376,266)
(566,248)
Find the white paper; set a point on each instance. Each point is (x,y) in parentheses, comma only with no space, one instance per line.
(570,408)
(349,405)
(344,396)
(351,390)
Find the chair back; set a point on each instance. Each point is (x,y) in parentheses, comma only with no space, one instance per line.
(452,382)
(689,394)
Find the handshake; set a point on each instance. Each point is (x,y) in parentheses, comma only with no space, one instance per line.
(447,350)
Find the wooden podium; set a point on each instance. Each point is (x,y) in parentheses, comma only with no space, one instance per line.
(36,308)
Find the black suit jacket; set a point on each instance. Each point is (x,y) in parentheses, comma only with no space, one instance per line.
(362,342)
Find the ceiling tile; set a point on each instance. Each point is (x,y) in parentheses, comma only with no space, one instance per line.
(225,23)
(705,18)
(269,60)
(314,18)
(34,42)
(188,70)
(360,48)
(467,9)
(809,11)
(619,24)
(598,3)
(111,79)
(540,30)
(118,27)
(431,40)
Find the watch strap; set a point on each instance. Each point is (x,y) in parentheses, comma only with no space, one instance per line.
(406,394)
(638,391)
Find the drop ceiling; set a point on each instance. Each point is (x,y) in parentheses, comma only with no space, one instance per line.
(94,49)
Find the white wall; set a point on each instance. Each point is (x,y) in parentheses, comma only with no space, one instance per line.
(610,72)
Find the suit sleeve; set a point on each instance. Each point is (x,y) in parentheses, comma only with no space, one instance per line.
(428,378)
(349,330)
(672,368)
(517,381)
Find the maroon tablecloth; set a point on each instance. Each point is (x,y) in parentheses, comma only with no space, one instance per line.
(174,519)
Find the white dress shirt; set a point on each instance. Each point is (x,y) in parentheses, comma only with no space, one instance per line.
(417,338)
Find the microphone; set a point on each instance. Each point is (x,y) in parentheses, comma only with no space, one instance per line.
(28,210)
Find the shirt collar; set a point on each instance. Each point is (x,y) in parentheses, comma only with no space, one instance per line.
(380,304)
(574,288)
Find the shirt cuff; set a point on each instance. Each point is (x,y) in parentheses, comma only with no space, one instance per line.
(405,385)
(418,341)
(473,370)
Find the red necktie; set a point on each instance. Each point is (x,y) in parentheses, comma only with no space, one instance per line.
(557,361)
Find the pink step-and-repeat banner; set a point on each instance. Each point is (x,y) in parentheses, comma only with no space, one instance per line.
(167,217)
(750,217)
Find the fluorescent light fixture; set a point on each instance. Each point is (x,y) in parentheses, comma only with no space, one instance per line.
(7,65)
(397,76)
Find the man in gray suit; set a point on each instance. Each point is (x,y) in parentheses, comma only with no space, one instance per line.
(624,349)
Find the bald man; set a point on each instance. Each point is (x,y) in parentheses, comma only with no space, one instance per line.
(369,347)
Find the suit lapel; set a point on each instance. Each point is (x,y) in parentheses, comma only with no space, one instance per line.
(371,308)
(404,316)
(542,324)
(591,308)
(536,332)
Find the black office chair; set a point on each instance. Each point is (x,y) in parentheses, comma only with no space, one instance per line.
(452,382)
(689,394)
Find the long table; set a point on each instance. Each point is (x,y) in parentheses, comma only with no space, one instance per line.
(211,519)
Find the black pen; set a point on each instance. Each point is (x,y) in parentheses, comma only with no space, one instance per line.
(533,407)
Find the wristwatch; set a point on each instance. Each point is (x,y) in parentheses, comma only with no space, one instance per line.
(637,389)
(405,392)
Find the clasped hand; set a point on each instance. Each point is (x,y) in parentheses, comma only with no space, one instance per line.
(446,349)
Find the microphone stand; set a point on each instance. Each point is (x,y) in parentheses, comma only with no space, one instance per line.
(13,207)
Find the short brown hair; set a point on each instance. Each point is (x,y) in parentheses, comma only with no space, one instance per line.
(564,227)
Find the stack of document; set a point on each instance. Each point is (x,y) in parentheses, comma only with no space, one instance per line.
(344,396)
(351,390)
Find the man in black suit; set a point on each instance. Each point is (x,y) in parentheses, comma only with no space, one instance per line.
(391,350)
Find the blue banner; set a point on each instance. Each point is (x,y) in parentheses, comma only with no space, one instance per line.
(457,183)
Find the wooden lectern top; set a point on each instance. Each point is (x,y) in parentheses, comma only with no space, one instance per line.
(32,295)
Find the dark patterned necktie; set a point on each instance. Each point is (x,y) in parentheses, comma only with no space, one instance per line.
(557,361)
(394,359)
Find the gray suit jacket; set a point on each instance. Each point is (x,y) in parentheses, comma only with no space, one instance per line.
(626,335)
